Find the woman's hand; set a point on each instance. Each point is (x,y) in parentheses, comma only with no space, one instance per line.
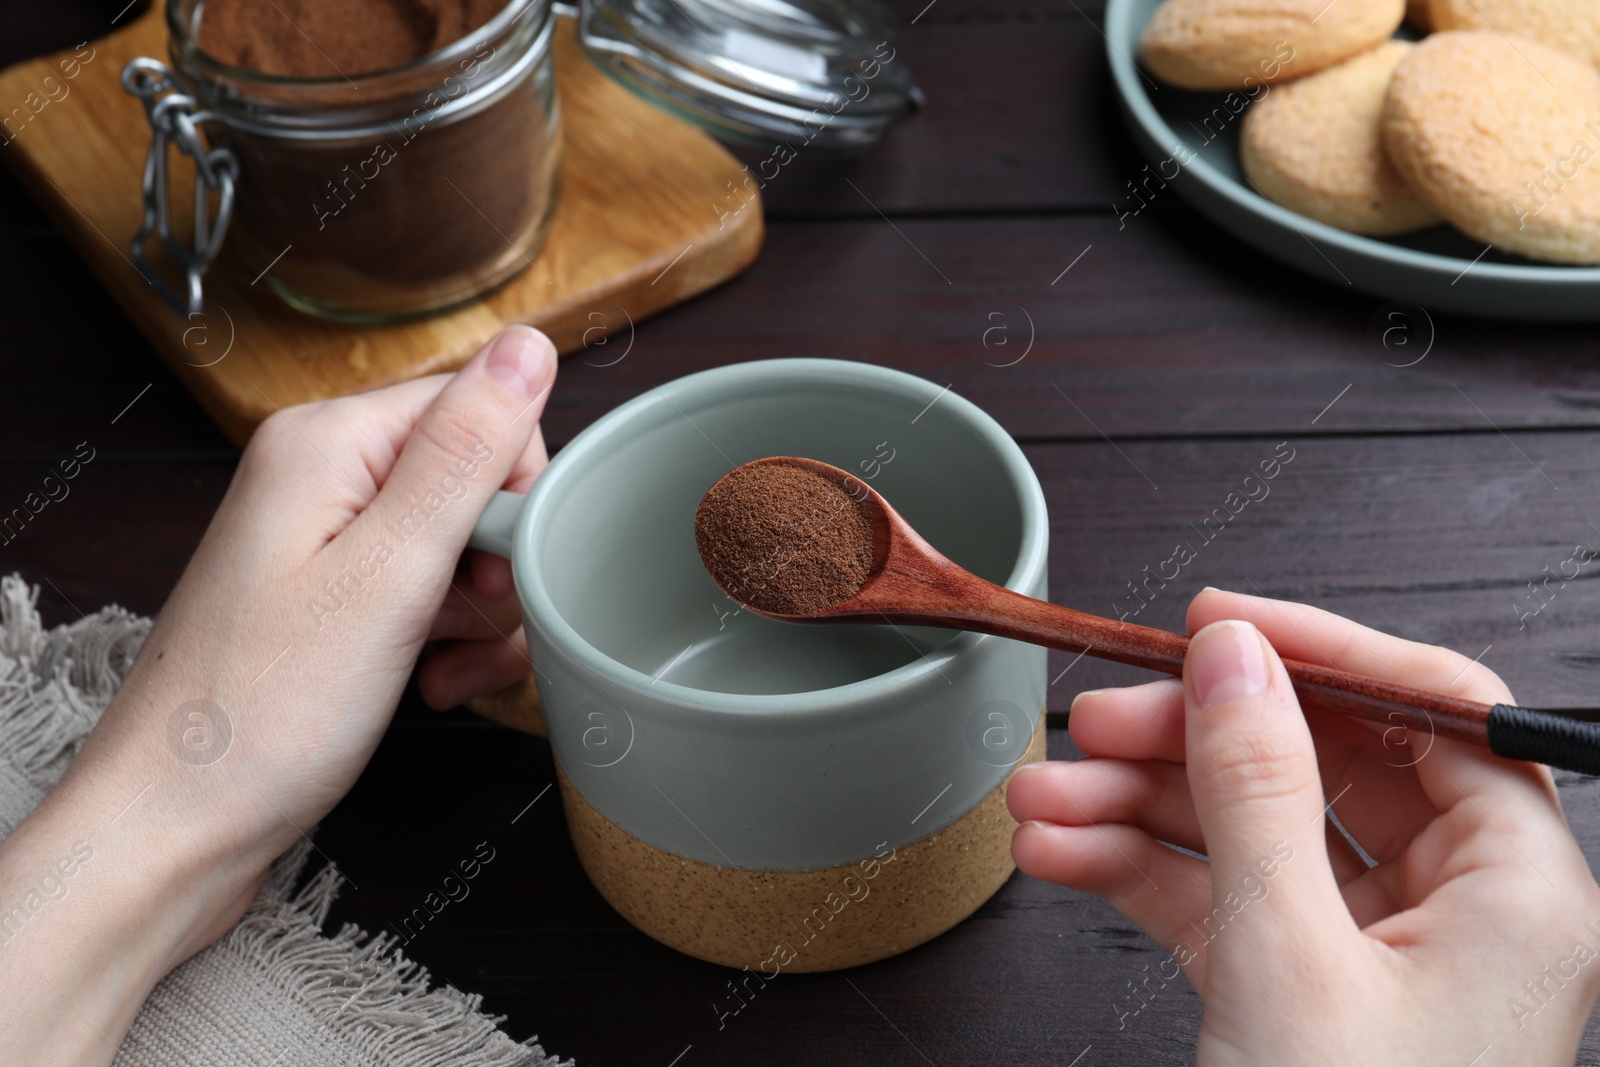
(1474,940)
(266,683)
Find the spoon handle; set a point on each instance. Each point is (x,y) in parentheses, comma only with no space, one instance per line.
(1507,730)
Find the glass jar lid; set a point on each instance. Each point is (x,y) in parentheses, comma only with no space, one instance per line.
(818,73)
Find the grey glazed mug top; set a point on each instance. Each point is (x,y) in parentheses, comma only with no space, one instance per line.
(801,747)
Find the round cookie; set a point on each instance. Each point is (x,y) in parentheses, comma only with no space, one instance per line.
(1316,146)
(1234,44)
(1501,136)
(1573,26)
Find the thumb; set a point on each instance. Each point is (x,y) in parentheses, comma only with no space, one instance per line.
(1254,778)
(462,449)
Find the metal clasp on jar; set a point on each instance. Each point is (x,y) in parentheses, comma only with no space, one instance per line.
(174,121)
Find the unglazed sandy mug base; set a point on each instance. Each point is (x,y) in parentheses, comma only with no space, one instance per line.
(820,920)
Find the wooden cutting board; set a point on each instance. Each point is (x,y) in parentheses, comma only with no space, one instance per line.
(647,218)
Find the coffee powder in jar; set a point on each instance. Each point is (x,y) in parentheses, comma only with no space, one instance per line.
(396,157)
(315,39)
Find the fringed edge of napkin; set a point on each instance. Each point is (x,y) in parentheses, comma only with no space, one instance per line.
(54,685)
(361,987)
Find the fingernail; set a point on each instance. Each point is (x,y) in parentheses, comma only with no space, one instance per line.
(1080,696)
(1227,664)
(512,361)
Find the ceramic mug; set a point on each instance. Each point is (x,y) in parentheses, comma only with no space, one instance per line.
(768,795)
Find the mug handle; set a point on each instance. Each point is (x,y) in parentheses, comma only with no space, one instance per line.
(517,706)
(497,524)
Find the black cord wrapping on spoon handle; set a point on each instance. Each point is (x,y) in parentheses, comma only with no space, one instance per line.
(1544,737)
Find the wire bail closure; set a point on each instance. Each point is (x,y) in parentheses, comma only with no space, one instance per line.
(174,121)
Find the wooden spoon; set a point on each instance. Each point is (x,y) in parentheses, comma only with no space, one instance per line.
(911,582)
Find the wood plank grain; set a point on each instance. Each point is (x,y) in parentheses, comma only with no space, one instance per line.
(1160,327)
(122,532)
(1164,327)
(52,27)
(71,361)
(1433,538)
(1019,117)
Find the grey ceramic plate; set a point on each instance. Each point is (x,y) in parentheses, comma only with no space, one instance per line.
(1438,269)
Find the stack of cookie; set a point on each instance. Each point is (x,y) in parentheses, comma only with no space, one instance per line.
(1491,122)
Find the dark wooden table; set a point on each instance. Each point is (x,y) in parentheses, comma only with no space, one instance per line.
(1426,493)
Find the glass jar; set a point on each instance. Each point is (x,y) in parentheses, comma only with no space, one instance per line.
(388,195)
(814,75)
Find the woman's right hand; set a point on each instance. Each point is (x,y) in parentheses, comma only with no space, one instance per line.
(1474,940)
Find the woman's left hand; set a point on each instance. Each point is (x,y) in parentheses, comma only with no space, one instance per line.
(269,678)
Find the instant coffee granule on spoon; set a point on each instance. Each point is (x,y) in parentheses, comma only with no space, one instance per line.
(783,540)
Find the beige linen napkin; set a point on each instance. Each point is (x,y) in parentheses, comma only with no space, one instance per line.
(273,992)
